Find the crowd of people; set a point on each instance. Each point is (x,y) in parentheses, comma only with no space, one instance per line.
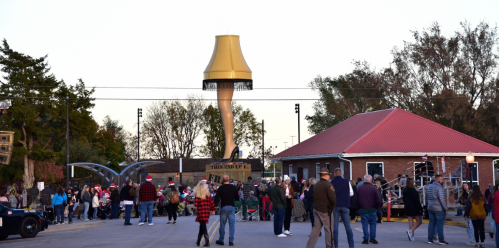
(327,200)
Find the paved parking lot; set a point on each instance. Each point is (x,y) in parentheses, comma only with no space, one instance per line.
(112,233)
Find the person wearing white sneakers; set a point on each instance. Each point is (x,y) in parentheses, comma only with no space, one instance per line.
(413,208)
(147,195)
(278,207)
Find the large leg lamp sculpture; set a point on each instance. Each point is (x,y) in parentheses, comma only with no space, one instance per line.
(226,72)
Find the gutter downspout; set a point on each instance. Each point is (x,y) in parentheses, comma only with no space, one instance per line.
(493,174)
(350,162)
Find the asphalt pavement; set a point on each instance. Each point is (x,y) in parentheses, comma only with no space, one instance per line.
(112,233)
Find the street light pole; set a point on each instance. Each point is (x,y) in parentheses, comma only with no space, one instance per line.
(139,114)
(67,141)
(297,111)
(273,153)
(292,143)
(285,145)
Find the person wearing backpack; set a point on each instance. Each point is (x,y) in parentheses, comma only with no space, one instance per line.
(477,210)
(172,199)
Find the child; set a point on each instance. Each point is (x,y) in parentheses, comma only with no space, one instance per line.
(95,204)
(205,206)
(70,211)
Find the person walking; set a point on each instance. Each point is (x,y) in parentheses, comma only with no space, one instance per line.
(115,202)
(59,201)
(477,209)
(324,203)
(87,199)
(288,194)
(437,210)
(353,205)
(172,199)
(465,194)
(490,199)
(205,207)
(226,195)
(147,196)
(379,212)
(295,184)
(344,191)
(278,207)
(412,207)
(368,200)
(127,196)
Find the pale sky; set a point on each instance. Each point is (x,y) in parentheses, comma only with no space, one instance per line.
(169,44)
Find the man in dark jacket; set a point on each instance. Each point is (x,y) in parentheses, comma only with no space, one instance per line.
(147,196)
(324,203)
(127,199)
(368,201)
(278,207)
(226,195)
(115,202)
(295,185)
(247,187)
(344,191)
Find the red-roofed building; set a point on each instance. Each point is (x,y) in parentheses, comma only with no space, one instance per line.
(388,142)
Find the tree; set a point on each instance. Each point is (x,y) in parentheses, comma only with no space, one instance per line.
(38,114)
(170,128)
(247,131)
(450,80)
(108,140)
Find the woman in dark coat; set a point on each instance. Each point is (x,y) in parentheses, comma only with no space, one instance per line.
(309,195)
(413,208)
(353,205)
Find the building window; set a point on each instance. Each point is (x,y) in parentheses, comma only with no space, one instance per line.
(474,172)
(374,168)
(317,170)
(290,169)
(327,167)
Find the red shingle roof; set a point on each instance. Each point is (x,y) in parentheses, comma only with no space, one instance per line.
(388,131)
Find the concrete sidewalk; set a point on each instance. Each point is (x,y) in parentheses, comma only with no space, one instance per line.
(77,224)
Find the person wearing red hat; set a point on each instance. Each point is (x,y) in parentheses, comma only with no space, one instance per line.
(172,199)
(147,195)
(115,202)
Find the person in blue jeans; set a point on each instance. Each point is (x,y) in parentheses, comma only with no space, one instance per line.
(58,202)
(343,193)
(226,195)
(278,199)
(368,200)
(437,210)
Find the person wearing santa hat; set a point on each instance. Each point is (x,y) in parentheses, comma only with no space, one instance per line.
(115,202)
(171,206)
(147,195)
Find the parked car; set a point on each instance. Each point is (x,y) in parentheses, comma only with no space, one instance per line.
(26,222)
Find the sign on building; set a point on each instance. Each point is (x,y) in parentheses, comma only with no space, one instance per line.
(236,171)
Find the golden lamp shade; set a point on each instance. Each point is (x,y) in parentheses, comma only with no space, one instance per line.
(227,66)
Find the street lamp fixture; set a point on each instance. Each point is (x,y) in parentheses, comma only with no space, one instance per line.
(470,159)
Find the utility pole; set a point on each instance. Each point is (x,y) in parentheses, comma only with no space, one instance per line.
(285,145)
(297,111)
(139,114)
(263,150)
(67,141)
(292,144)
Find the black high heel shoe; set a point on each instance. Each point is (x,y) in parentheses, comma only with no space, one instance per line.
(232,155)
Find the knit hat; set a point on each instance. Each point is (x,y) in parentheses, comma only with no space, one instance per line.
(113,185)
(204,179)
(255,184)
(148,178)
(171,183)
(303,181)
(286,177)
(96,186)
